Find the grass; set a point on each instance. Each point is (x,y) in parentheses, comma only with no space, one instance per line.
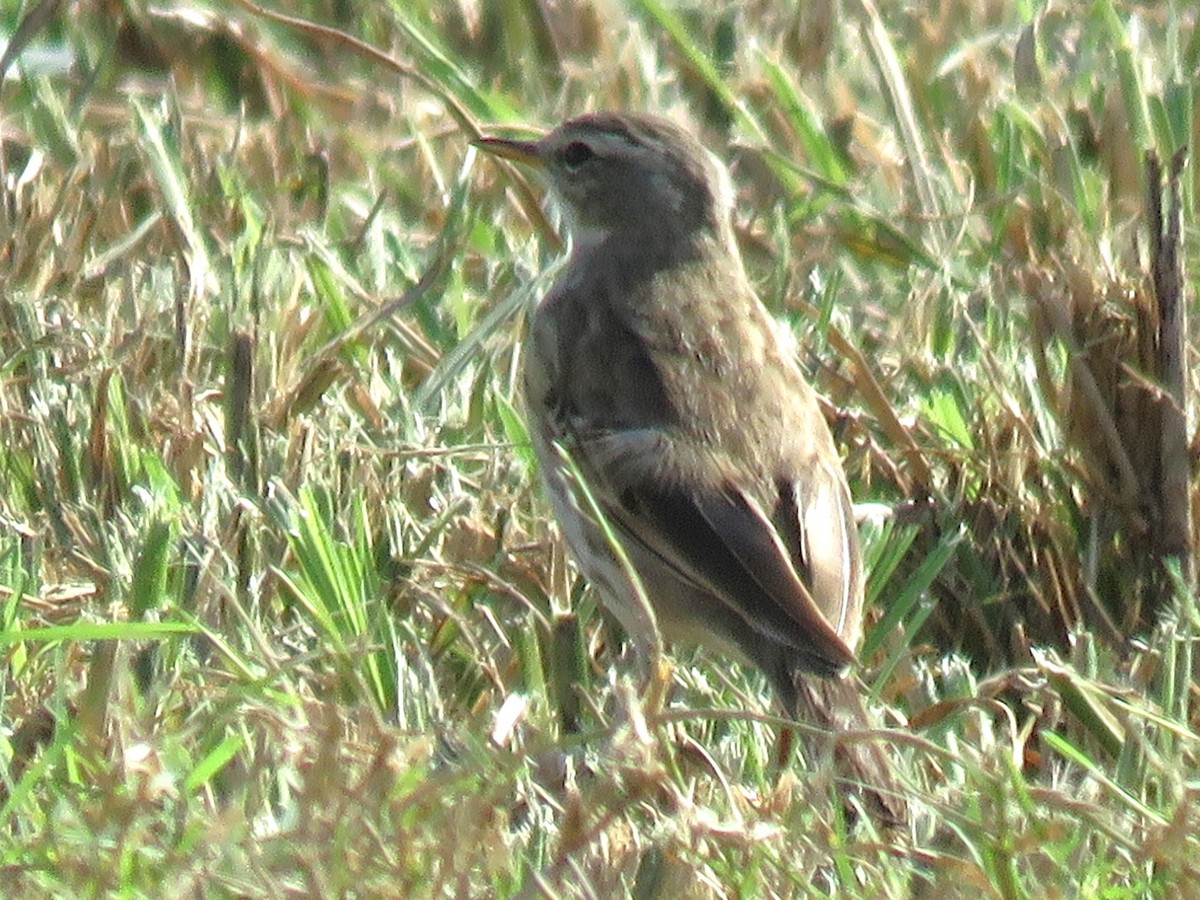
(281,608)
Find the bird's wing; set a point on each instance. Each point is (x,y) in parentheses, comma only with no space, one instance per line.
(818,509)
(714,535)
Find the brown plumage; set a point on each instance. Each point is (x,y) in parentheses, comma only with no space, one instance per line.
(654,366)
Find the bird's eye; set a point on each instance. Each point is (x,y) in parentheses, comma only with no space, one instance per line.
(575,154)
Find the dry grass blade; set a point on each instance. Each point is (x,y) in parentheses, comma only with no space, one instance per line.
(873,396)
(1100,342)
(1123,405)
(900,99)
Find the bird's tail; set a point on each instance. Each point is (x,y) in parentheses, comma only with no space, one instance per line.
(833,707)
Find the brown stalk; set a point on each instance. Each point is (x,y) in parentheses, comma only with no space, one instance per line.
(1174,532)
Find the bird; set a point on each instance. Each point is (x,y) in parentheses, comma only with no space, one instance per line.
(676,434)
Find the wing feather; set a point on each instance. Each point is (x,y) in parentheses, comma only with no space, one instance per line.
(712,535)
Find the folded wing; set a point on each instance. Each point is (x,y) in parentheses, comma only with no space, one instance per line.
(712,532)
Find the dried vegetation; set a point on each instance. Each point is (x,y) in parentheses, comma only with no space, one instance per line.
(280,609)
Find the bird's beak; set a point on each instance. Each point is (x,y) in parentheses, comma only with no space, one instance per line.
(518,151)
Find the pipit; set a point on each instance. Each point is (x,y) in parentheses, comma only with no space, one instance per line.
(654,376)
